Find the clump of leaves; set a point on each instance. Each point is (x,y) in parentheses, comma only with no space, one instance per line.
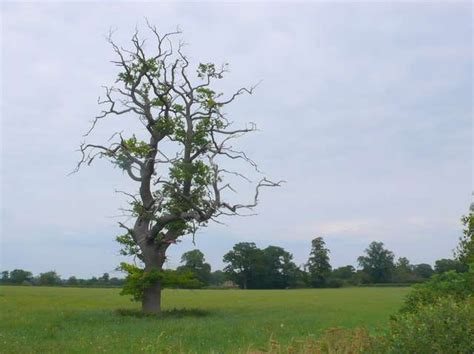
(129,246)
(458,286)
(446,326)
(137,280)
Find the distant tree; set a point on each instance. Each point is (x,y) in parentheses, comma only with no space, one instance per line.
(245,264)
(378,263)
(423,271)
(344,273)
(49,278)
(342,276)
(217,277)
(465,249)
(18,276)
(92,281)
(362,277)
(105,278)
(194,262)
(5,277)
(279,270)
(445,265)
(72,281)
(116,281)
(319,268)
(403,271)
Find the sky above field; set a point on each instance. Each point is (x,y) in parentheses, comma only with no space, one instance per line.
(364,109)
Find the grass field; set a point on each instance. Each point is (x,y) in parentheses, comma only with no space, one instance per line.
(73,320)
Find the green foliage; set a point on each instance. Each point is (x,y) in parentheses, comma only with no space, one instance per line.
(5,277)
(49,278)
(137,68)
(217,278)
(129,246)
(195,174)
(166,125)
(465,250)
(129,148)
(404,272)
(447,265)
(196,171)
(445,326)
(19,276)
(245,265)
(72,281)
(279,270)
(138,210)
(270,268)
(194,262)
(318,265)
(136,147)
(458,286)
(423,271)
(137,280)
(205,70)
(346,272)
(342,276)
(378,263)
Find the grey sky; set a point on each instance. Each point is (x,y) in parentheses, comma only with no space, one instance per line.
(365,110)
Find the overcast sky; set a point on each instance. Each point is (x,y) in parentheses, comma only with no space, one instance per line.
(365,109)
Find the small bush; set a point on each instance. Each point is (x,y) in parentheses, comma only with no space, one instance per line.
(137,280)
(334,283)
(444,327)
(458,286)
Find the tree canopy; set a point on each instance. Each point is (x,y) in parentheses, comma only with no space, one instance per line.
(183,156)
(194,261)
(377,263)
(318,264)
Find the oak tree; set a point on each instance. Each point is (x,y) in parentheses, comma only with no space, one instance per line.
(245,265)
(194,262)
(378,263)
(177,105)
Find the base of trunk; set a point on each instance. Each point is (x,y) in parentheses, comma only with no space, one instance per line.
(151,303)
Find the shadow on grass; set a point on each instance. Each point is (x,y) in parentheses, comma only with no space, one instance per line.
(173,313)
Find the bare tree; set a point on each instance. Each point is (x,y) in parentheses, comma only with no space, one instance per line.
(178,193)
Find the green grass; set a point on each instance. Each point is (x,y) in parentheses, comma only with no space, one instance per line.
(73,320)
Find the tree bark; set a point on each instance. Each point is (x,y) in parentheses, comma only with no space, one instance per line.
(151,302)
(154,260)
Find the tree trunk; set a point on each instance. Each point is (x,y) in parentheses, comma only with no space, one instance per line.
(151,302)
(154,259)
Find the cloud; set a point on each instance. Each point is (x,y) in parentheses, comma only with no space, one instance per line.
(365,109)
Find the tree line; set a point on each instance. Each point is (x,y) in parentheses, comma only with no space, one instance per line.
(249,267)
(273,268)
(52,278)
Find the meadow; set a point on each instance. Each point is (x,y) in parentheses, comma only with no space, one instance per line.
(80,320)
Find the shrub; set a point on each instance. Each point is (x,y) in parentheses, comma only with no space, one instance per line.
(137,280)
(458,286)
(446,326)
(334,283)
